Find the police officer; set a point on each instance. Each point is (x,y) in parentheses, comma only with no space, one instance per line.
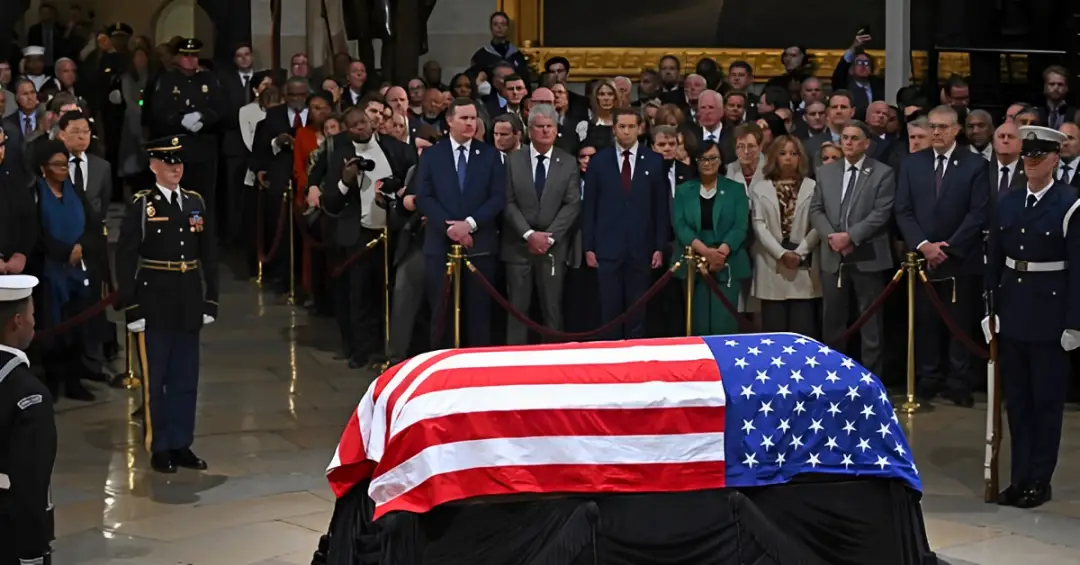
(111,67)
(1034,268)
(188,101)
(165,256)
(27,433)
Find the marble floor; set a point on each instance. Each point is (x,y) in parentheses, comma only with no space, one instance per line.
(272,404)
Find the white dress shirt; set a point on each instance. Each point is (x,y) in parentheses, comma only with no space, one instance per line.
(83,166)
(1072,170)
(1038,195)
(175,195)
(671,179)
(715,133)
(454,149)
(847,175)
(633,157)
(533,154)
(1012,167)
(986,152)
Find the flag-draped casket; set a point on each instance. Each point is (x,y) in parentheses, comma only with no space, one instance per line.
(657,415)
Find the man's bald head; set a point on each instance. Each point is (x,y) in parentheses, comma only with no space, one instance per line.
(543,95)
(710,109)
(397,99)
(1007,142)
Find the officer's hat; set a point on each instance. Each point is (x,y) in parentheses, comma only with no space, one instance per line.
(166,149)
(1037,141)
(189,46)
(34,51)
(16,287)
(119,28)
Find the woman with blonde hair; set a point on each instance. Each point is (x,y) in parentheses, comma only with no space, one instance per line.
(597,130)
(829,153)
(784,281)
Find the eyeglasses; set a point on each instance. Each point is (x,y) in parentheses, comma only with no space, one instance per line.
(708,160)
(862,63)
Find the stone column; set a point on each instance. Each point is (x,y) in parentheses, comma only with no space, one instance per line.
(294,21)
(456,29)
(897,47)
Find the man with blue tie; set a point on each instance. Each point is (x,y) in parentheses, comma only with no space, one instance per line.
(941,205)
(626,221)
(461,190)
(1032,268)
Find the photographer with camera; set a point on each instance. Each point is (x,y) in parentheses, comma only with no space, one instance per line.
(364,169)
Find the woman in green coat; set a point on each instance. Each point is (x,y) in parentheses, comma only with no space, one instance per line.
(712,215)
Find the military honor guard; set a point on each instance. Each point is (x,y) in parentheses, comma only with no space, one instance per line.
(1034,269)
(27,433)
(191,102)
(166,270)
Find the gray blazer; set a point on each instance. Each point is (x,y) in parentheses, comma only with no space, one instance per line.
(864,213)
(98,184)
(556,211)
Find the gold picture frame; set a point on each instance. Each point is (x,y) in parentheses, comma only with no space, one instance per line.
(591,63)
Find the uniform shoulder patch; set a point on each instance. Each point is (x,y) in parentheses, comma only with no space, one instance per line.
(29,401)
(140,194)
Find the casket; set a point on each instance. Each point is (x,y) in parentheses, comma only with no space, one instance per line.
(763,448)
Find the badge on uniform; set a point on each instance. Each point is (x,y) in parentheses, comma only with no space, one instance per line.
(196,221)
(176,91)
(205,89)
(150,211)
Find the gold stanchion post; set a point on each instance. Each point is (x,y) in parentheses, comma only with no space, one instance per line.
(455,264)
(690,259)
(912,264)
(130,381)
(385,238)
(291,300)
(258,276)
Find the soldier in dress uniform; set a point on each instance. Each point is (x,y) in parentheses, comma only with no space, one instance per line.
(191,102)
(166,254)
(27,433)
(1034,267)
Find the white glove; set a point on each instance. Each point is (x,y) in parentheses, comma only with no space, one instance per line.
(34,561)
(1070,339)
(985,325)
(196,127)
(115,97)
(137,326)
(207,319)
(189,120)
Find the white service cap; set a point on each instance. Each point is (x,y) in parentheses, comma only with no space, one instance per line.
(34,50)
(16,287)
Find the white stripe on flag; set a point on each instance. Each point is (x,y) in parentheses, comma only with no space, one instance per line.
(550,358)
(550,450)
(374,428)
(654,394)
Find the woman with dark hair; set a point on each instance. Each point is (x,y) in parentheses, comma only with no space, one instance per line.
(70,251)
(331,86)
(785,283)
(134,166)
(462,85)
(712,216)
(710,71)
(772,126)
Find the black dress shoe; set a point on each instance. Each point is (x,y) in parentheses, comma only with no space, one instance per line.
(962,399)
(1036,496)
(1010,496)
(76,391)
(186,459)
(162,463)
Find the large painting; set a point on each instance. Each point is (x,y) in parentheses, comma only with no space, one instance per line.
(760,24)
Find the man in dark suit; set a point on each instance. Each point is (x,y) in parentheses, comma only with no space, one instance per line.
(543,200)
(359,168)
(855,72)
(48,34)
(272,161)
(686,97)
(23,123)
(659,321)
(559,68)
(1005,170)
(462,190)
(626,221)
(1055,110)
(355,85)
(1070,155)
(236,79)
(710,119)
(941,205)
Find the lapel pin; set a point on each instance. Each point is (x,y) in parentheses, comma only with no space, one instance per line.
(158,197)
(955,162)
(646,173)
(477,151)
(557,160)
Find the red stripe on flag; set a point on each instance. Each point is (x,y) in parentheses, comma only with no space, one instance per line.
(554,479)
(579,345)
(694,370)
(405,382)
(342,479)
(542,423)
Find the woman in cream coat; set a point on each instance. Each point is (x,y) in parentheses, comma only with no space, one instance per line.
(784,281)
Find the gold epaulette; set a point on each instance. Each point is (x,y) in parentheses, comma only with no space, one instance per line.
(191,192)
(140,194)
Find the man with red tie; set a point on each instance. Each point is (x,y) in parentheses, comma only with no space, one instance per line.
(626,221)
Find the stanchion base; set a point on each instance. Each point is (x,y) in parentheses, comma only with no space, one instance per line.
(129,382)
(912,407)
(290,300)
(380,366)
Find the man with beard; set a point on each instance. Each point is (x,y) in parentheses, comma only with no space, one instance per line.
(363,169)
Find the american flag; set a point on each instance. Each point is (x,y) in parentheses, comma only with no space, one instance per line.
(630,416)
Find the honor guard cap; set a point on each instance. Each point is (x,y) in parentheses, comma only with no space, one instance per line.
(1037,141)
(16,287)
(34,51)
(189,46)
(166,149)
(119,28)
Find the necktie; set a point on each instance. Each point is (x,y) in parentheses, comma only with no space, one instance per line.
(626,178)
(711,138)
(1003,183)
(1032,201)
(540,177)
(297,123)
(28,128)
(78,174)
(853,175)
(939,174)
(1065,173)
(247,88)
(462,165)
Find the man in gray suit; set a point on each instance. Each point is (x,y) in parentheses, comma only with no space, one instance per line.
(850,210)
(543,200)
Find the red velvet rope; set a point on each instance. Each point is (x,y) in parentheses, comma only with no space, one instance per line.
(259,238)
(744,324)
(956,330)
(76,320)
(440,324)
(305,231)
(340,269)
(546,331)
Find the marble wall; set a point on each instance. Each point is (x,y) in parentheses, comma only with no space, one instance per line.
(456,29)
